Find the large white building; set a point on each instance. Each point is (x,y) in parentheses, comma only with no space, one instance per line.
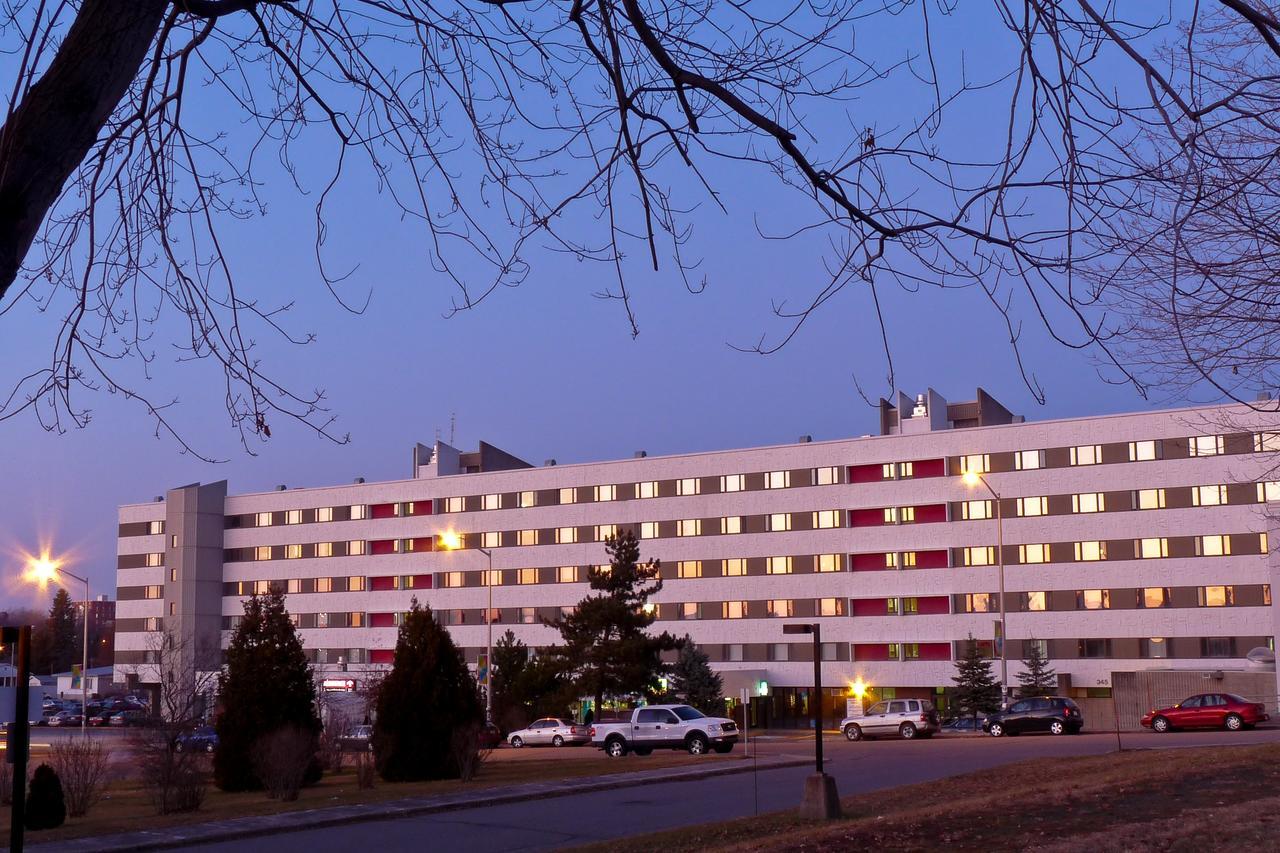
(1130,541)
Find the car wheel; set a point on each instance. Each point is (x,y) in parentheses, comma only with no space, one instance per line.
(1234,723)
(208,747)
(696,744)
(997,730)
(1160,725)
(1057,727)
(852,732)
(907,731)
(517,742)
(616,747)
(557,741)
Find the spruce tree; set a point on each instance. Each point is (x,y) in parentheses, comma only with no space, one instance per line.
(976,691)
(510,660)
(46,807)
(607,645)
(1038,678)
(266,686)
(428,694)
(695,682)
(56,644)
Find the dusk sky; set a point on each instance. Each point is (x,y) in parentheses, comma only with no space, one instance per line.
(544,370)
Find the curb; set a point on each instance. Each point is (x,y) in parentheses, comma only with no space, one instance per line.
(261,825)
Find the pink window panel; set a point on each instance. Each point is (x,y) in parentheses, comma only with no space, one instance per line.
(866,517)
(870,606)
(868,563)
(382,546)
(931,559)
(933,605)
(383,511)
(872,473)
(382,620)
(871,651)
(935,651)
(930,513)
(928,468)
(382,584)
(422,507)
(424,543)
(422,581)
(382,655)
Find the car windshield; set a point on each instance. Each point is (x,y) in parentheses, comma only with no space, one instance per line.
(684,712)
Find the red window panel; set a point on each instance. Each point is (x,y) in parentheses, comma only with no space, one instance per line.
(928,468)
(422,507)
(931,559)
(382,546)
(930,513)
(868,562)
(866,517)
(382,655)
(872,473)
(382,620)
(933,605)
(421,581)
(383,511)
(382,584)
(871,651)
(935,651)
(870,606)
(424,543)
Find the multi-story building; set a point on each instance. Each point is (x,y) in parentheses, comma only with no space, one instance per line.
(102,629)
(1129,541)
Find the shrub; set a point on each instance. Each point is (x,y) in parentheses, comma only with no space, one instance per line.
(46,808)
(467,752)
(174,781)
(365,771)
(282,760)
(82,764)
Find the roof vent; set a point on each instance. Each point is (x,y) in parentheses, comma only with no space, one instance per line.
(640,454)
(282,487)
(159,499)
(805,439)
(548,463)
(1264,396)
(358,480)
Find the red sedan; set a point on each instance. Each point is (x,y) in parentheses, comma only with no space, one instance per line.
(1208,711)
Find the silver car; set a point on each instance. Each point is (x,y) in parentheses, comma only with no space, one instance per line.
(550,731)
(904,718)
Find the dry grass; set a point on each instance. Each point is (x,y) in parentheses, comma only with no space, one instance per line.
(125,807)
(1167,800)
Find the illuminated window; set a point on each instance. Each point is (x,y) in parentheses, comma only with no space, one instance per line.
(689,527)
(826,518)
(1154,596)
(830,563)
(779,565)
(359,512)
(689,569)
(648,530)
(566,535)
(1027,460)
(1093,599)
(155,528)
(1143,451)
(733,482)
(906,514)
(1213,546)
(1155,647)
(262,552)
(1208,495)
(908,559)
(1086,454)
(1090,551)
(264,587)
(1033,553)
(688,486)
(735,567)
(153,560)
(324,549)
(355,548)
(455,504)
(648,489)
(1217,596)
(527,576)
(979,463)
(528,615)
(1266,442)
(887,471)
(735,609)
(262,519)
(568,496)
(731,524)
(891,515)
(1266,594)
(1033,506)
(173,574)
(976,510)
(293,516)
(1148,549)
(690,610)
(567,574)
(324,513)
(324,584)
(777,479)
(891,560)
(1268,491)
(606,493)
(830,607)
(292,552)
(828,476)
(1089,502)
(490,502)
(355,584)
(908,606)
(490,539)
(980,602)
(1149,499)
(1034,601)
(779,521)
(452,579)
(906,470)
(605,531)
(527,537)
(780,607)
(982,555)
(1205,445)
(1262,544)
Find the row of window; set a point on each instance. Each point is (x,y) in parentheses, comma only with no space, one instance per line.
(1217,595)
(1094,550)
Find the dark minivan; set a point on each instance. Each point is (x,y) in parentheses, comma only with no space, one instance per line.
(1054,714)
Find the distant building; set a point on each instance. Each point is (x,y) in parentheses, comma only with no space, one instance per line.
(102,630)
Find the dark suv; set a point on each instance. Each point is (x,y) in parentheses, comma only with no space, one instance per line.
(1054,714)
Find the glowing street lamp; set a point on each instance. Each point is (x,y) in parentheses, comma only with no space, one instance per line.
(42,571)
(972,479)
(450,540)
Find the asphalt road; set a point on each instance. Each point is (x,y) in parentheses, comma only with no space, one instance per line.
(565,821)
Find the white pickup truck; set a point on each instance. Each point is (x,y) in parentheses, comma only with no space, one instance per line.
(665,727)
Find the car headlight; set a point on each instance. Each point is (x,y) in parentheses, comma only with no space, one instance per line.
(711,727)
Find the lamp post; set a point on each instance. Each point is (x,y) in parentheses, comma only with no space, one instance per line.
(44,570)
(820,798)
(19,738)
(451,541)
(971,479)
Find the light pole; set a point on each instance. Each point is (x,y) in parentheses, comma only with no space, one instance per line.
(451,541)
(971,479)
(820,798)
(44,570)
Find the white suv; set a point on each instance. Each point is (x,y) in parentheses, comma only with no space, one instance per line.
(904,718)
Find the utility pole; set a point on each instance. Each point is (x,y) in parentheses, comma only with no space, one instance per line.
(19,740)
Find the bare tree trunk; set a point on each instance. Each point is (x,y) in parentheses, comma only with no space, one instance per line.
(52,130)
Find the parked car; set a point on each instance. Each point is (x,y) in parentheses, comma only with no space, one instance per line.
(359,739)
(101,718)
(904,718)
(550,731)
(65,718)
(963,726)
(1208,711)
(665,727)
(199,739)
(129,718)
(1054,714)
(490,736)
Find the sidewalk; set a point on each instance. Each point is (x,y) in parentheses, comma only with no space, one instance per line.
(251,827)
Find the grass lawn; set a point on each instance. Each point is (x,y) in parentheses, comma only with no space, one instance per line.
(125,807)
(1168,800)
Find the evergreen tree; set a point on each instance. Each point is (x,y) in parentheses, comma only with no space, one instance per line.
(607,644)
(1038,678)
(56,643)
(265,687)
(427,696)
(46,806)
(976,691)
(510,660)
(695,682)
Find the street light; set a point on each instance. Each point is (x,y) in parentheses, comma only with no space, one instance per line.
(452,541)
(820,798)
(44,570)
(972,479)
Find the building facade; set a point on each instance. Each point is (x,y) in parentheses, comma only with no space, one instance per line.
(1130,542)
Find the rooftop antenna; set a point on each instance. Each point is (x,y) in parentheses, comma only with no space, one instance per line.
(453,427)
